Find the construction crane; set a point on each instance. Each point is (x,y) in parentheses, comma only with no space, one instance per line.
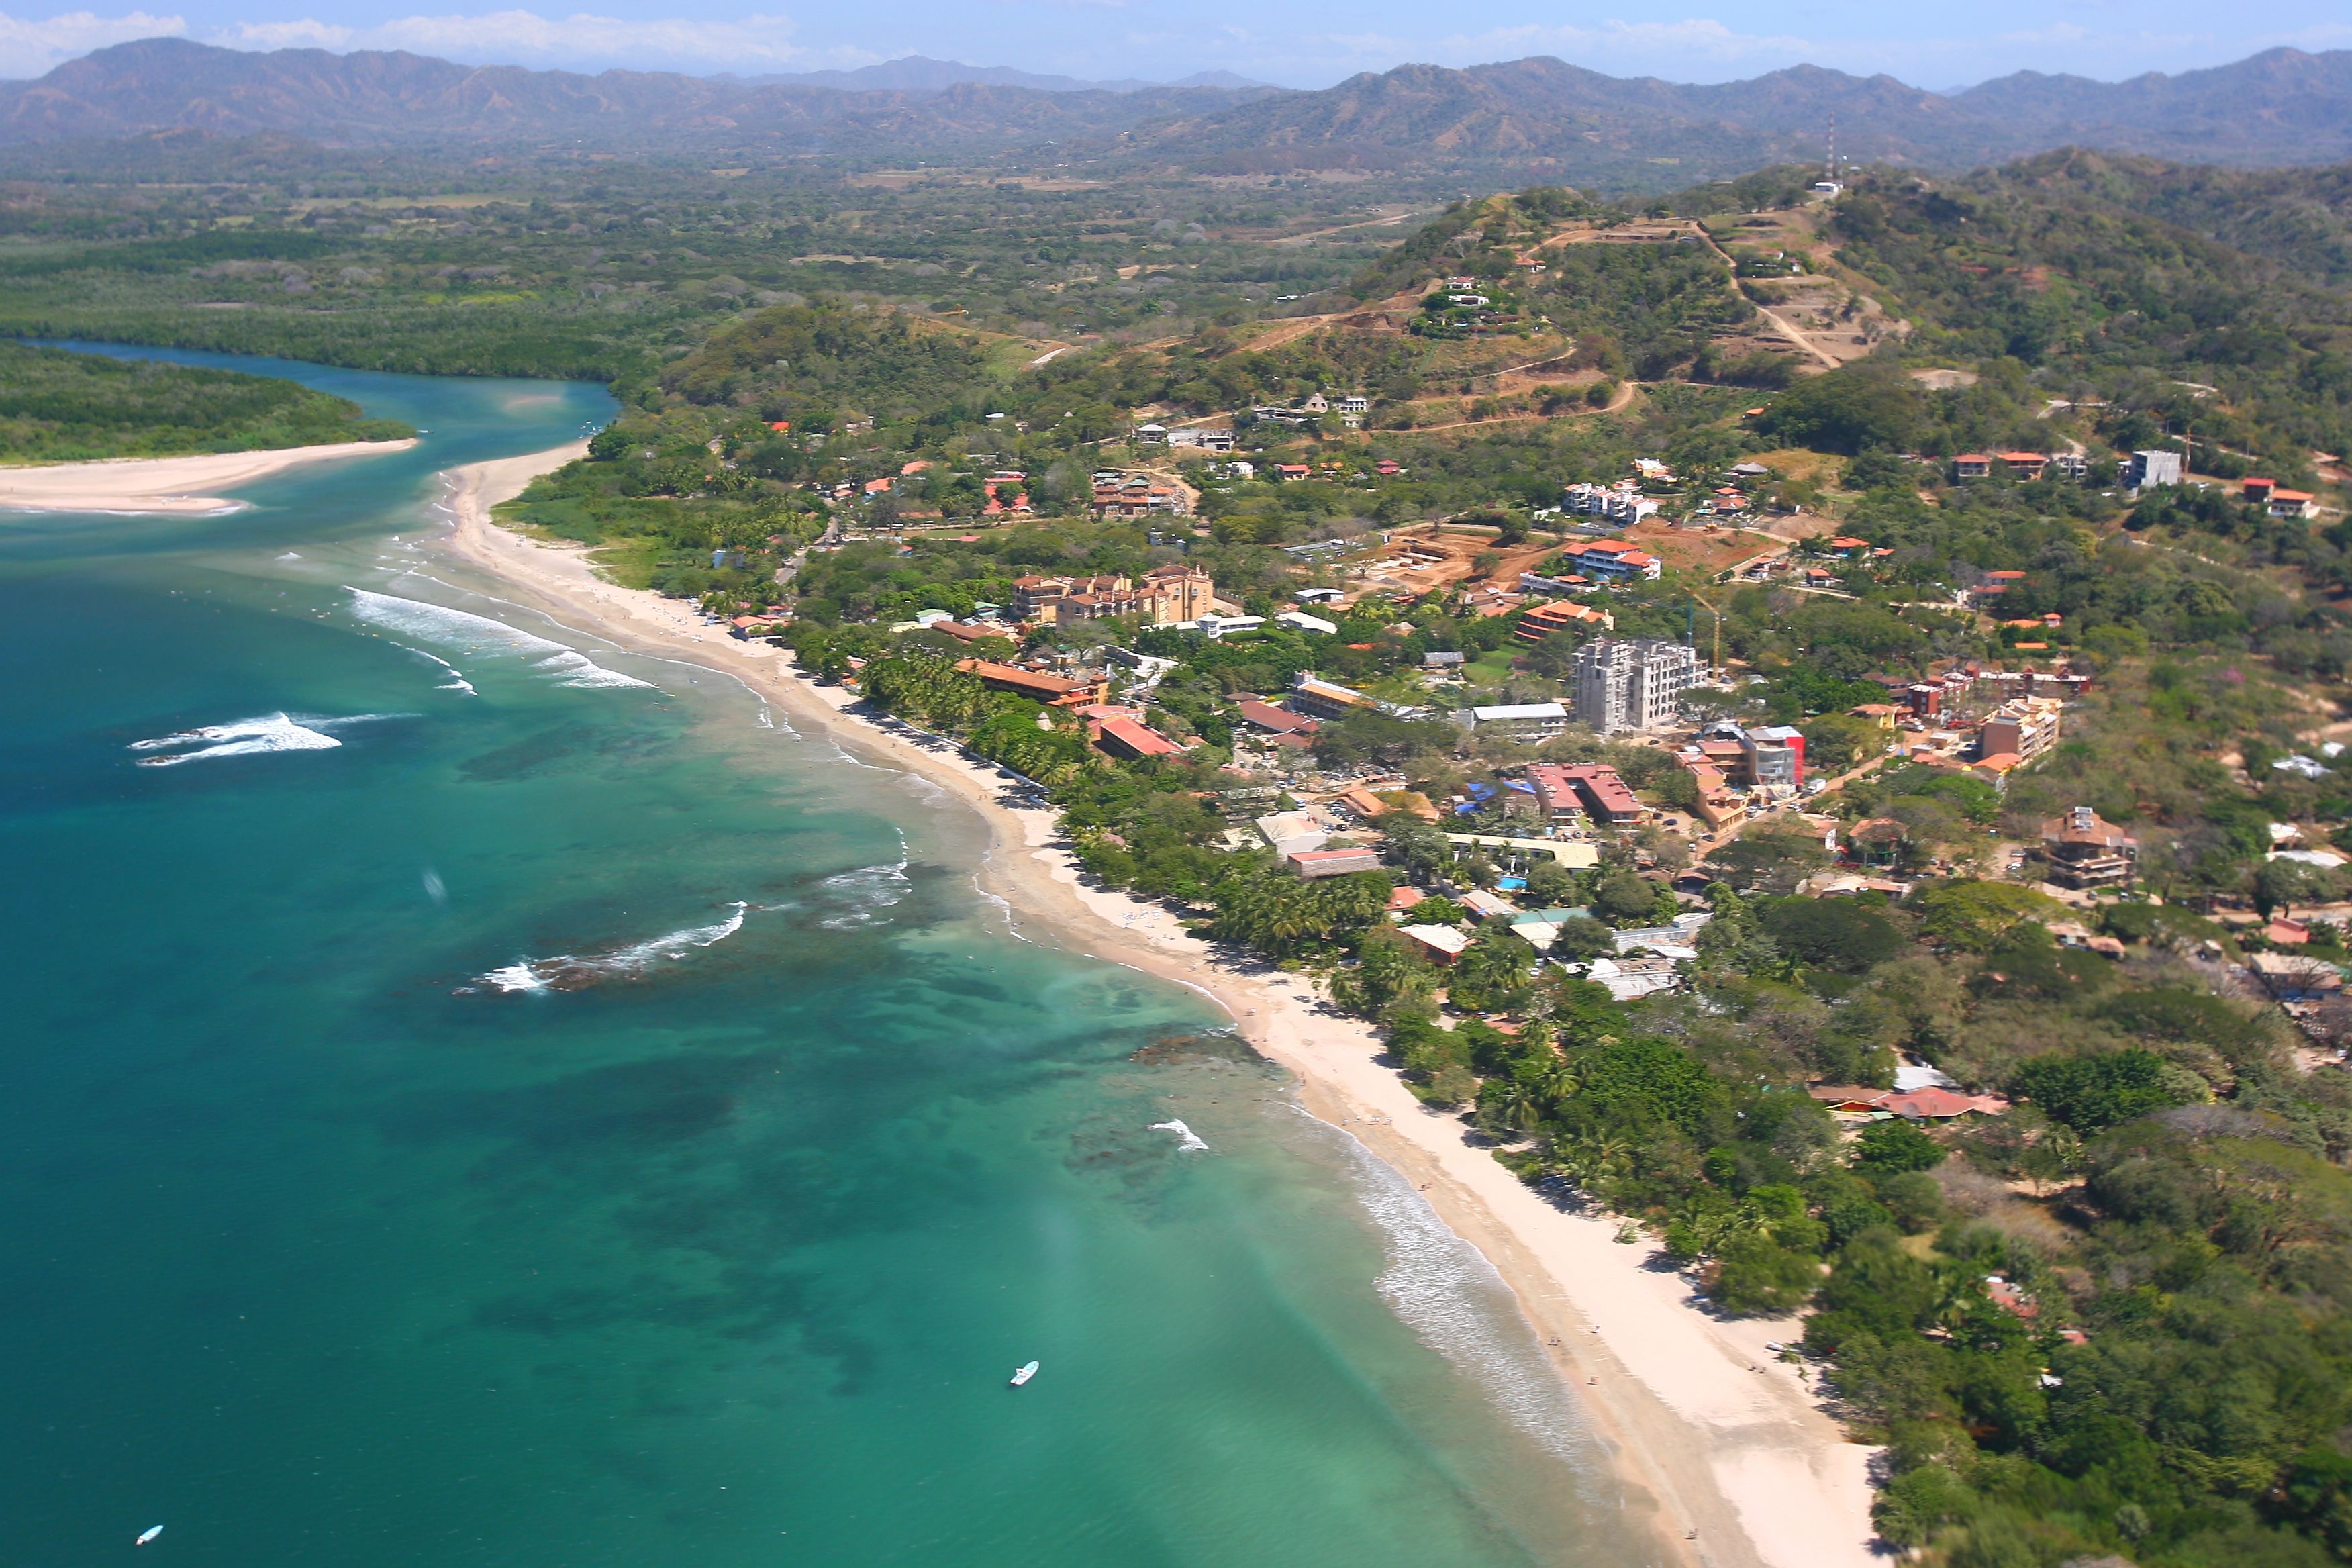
(1715,668)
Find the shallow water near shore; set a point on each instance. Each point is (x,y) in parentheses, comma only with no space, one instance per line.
(480,1096)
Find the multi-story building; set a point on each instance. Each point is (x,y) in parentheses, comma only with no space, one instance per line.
(2149,468)
(1166,595)
(2024,729)
(1326,699)
(1622,504)
(1178,593)
(1137,495)
(1038,598)
(1521,720)
(2085,849)
(1775,757)
(1632,685)
(1615,563)
(1545,620)
(1595,789)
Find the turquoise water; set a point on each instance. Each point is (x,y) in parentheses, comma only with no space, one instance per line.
(474,1096)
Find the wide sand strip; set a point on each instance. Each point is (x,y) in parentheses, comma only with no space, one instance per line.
(171,485)
(1730,1448)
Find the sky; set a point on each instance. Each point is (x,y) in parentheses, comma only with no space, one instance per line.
(1294,43)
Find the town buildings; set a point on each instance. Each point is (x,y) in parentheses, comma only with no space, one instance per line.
(1138,495)
(1615,563)
(1593,789)
(2024,729)
(1035,685)
(1545,620)
(1769,757)
(1632,685)
(1619,505)
(1325,699)
(1164,596)
(1521,720)
(2083,850)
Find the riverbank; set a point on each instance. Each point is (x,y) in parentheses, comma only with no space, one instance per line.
(172,486)
(1724,1440)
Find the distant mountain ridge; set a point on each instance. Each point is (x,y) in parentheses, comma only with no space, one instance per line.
(2281,107)
(396,98)
(915,73)
(1535,118)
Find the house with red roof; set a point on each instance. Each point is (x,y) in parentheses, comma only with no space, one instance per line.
(1118,735)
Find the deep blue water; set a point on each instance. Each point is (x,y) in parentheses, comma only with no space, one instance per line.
(477,1097)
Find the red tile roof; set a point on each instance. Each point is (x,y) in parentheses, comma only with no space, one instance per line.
(1280,720)
(1128,738)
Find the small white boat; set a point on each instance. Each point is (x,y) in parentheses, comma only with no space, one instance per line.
(1025,1374)
(148,1535)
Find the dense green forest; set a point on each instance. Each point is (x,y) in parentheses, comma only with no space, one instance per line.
(2247,356)
(57,407)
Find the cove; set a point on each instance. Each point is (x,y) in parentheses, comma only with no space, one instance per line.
(478,1096)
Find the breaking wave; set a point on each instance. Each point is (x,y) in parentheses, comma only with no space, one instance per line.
(1187,1140)
(480,633)
(457,681)
(248,738)
(870,889)
(571,971)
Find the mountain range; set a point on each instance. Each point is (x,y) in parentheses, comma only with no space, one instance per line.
(1535,118)
(915,73)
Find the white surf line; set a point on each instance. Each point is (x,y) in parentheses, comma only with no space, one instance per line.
(767,715)
(1004,908)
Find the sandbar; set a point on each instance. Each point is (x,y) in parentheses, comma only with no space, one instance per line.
(171,486)
(1732,1453)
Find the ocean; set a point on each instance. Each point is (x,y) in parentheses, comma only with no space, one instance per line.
(476,1095)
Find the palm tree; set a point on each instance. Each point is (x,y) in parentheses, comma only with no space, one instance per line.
(1560,1081)
(1519,1107)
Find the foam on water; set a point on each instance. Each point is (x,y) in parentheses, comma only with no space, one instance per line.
(1187,1140)
(480,633)
(457,681)
(249,738)
(871,888)
(1446,1291)
(569,971)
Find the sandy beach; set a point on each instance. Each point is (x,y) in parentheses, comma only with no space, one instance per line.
(176,486)
(1730,1448)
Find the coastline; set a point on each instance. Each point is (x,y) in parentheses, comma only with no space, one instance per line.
(1725,1441)
(171,486)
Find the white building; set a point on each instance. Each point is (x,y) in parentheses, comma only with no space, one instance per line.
(1632,685)
(1621,504)
(1522,721)
(2149,468)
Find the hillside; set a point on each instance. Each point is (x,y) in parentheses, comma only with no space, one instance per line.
(375,97)
(1544,113)
(1535,118)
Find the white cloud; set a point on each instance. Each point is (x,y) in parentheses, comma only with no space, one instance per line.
(525,37)
(31,48)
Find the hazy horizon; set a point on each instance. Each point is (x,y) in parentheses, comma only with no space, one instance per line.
(1280,42)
